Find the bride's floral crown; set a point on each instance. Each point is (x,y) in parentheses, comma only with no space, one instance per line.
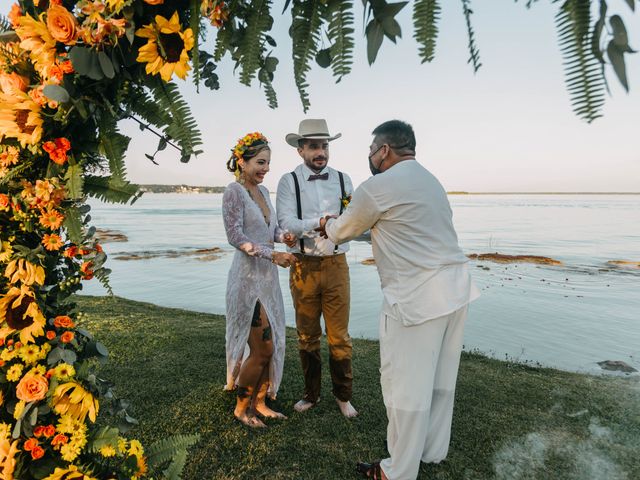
(245,143)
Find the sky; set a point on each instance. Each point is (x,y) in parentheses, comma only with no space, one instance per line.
(507,128)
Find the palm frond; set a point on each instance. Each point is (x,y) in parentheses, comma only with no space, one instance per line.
(305,38)
(426,14)
(474,53)
(584,76)
(340,34)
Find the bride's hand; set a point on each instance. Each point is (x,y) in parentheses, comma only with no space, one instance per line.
(289,239)
(284,259)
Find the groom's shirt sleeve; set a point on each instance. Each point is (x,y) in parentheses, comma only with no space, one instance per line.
(361,214)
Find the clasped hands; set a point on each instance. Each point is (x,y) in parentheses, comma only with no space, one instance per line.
(323,225)
(286,259)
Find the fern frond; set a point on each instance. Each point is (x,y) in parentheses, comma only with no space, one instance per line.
(140,103)
(340,34)
(194,24)
(584,76)
(108,190)
(426,14)
(250,50)
(182,127)
(102,274)
(223,43)
(474,53)
(113,145)
(5,24)
(174,470)
(270,93)
(305,38)
(165,450)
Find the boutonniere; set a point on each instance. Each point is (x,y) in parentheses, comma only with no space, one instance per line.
(346,200)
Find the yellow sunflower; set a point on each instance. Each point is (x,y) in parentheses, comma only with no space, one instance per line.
(20,118)
(36,39)
(70,472)
(20,312)
(72,399)
(166,49)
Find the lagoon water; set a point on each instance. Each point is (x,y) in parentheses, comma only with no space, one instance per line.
(568,317)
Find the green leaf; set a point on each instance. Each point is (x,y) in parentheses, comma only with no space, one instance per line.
(632,4)
(616,57)
(109,190)
(340,33)
(375,34)
(105,65)
(73,224)
(474,53)
(597,32)
(620,37)
(391,28)
(74,182)
(103,437)
(426,15)
(271,63)
(56,92)
(80,59)
(166,449)
(323,57)
(392,9)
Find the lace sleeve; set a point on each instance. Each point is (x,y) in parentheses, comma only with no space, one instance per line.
(278,234)
(232,216)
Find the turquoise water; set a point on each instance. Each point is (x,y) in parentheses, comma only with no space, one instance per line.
(568,317)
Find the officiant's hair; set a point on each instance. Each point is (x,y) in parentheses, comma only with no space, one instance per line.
(398,135)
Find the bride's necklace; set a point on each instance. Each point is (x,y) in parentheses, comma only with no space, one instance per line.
(258,199)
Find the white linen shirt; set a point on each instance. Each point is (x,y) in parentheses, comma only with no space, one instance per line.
(318,198)
(422,269)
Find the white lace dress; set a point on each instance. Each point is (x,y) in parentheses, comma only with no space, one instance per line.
(252,277)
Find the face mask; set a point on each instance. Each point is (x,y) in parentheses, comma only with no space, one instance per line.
(375,170)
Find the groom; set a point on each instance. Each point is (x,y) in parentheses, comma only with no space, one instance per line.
(320,280)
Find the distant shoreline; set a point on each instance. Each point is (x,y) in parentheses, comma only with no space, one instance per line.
(158,188)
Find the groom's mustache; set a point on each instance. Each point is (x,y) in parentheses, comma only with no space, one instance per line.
(321,157)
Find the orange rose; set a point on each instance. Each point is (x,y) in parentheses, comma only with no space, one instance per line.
(32,388)
(71,252)
(51,334)
(62,321)
(49,431)
(59,439)
(66,337)
(30,444)
(4,201)
(37,452)
(38,431)
(62,24)
(12,82)
(85,268)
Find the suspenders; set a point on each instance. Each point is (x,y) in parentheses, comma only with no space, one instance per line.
(299,204)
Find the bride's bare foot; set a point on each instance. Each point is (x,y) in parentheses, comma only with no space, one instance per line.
(262,409)
(248,418)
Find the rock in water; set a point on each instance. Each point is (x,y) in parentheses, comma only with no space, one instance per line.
(617,366)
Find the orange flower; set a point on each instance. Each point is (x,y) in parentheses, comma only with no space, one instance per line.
(51,334)
(52,242)
(50,372)
(67,67)
(154,2)
(62,24)
(66,337)
(37,452)
(86,270)
(51,219)
(71,252)
(98,248)
(4,202)
(15,14)
(32,387)
(59,439)
(12,82)
(38,431)
(63,321)
(49,431)
(30,444)
(57,150)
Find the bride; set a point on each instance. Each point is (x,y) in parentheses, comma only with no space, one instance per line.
(254,306)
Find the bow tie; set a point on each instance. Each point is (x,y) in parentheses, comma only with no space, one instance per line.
(320,176)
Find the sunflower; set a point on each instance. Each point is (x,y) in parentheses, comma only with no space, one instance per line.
(72,399)
(5,251)
(20,312)
(36,39)
(166,49)
(20,118)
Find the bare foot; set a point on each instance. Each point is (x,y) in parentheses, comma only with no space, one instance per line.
(347,409)
(249,420)
(303,405)
(262,409)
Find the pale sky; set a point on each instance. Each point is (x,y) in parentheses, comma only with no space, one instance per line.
(509,127)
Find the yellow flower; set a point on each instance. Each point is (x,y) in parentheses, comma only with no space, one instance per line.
(64,371)
(15,372)
(8,354)
(166,49)
(29,353)
(70,473)
(19,410)
(20,118)
(38,369)
(5,251)
(107,451)
(116,5)
(1,398)
(38,41)
(21,270)
(72,399)
(8,450)
(69,424)
(135,448)
(20,311)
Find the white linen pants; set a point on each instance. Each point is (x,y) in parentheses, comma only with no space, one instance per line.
(418,372)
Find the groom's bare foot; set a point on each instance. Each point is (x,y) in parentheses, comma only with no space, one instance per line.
(347,409)
(262,409)
(303,405)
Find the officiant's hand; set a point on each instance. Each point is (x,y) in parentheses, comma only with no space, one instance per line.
(289,239)
(323,224)
(284,259)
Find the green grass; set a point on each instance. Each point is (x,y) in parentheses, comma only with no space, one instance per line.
(511,421)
